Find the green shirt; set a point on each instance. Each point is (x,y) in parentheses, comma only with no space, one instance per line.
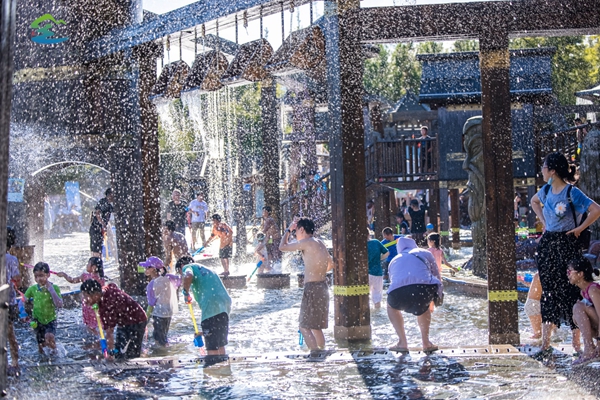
(44,310)
(208,290)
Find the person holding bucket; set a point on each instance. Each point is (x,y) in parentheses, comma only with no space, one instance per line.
(213,300)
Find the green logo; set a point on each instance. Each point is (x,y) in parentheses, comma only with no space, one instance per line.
(42,30)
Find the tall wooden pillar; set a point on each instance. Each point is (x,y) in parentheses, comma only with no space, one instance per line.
(494,62)
(455,218)
(147,55)
(444,227)
(7,31)
(382,212)
(434,207)
(348,195)
(270,145)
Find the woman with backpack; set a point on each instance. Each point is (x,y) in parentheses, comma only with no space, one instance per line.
(560,208)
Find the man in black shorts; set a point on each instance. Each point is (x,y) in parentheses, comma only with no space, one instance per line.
(99,221)
(224,233)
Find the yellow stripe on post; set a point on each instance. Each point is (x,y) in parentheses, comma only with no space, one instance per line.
(503,295)
(455,230)
(357,290)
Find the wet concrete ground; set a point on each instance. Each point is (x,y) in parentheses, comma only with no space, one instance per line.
(264,324)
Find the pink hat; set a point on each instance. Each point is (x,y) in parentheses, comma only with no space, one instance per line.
(153,262)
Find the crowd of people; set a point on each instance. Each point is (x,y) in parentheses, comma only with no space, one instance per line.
(563,291)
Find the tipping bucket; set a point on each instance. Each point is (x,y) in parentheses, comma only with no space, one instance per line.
(303,50)
(171,81)
(249,63)
(206,72)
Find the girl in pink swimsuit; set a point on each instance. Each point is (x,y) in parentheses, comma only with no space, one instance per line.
(585,312)
(433,241)
(95,271)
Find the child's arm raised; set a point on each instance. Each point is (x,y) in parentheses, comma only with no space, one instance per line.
(58,303)
(77,279)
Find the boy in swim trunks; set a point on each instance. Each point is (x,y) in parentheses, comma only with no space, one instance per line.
(314,310)
(224,233)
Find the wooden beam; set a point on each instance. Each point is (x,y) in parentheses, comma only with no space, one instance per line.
(182,19)
(494,63)
(8,16)
(469,20)
(348,196)
(270,146)
(147,55)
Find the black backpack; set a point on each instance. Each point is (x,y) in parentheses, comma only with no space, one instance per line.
(585,236)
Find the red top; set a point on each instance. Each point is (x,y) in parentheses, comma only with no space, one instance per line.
(118,308)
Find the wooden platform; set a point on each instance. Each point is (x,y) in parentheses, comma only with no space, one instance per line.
(272,281)
(472,286)
(234,282)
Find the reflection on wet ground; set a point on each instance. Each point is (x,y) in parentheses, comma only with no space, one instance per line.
(264,322)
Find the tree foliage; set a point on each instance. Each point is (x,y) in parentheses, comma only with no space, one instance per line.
(430,48)
(393,72)
(465,45)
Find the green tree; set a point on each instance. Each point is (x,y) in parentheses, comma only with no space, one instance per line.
(392,74)
(378,74)
(592,56)
(407,70)
(571,70)
(430,48)
(465,45)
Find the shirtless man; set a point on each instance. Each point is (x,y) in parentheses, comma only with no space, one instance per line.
(314,310)
(272,234)
(224,233)
(175,243)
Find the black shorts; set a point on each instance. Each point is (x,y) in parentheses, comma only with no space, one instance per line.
(215,330)
(41,330)
(225,252)
(13,313)
(161,329)
(96,241)
(413,299)
(128,339)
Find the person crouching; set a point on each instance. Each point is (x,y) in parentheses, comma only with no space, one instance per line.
(117,310)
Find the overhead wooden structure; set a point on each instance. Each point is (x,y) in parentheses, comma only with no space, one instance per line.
(206,72)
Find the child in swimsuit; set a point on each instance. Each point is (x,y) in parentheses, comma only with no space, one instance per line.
(94,270)
(585,312)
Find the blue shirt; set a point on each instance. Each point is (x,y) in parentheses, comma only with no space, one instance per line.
(557,210)
(374,250)
(208,290)
(391,248)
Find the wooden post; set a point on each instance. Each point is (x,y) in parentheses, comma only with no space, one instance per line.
(455,217)
(434,206)
(270,145)
(444,228)
(147,55)
(499,192)
(7,32)
(382,212)
(348,197)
